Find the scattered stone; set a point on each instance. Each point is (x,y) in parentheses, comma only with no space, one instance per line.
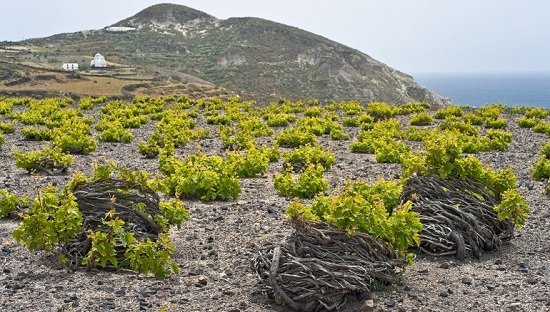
(203,281)
(445,265)
(523,266)
(532,281)
(368,306)
(467,280)
(228,292)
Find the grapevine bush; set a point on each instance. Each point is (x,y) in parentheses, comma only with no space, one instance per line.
(48,160)
(309,182)
(10,202)
(111,219)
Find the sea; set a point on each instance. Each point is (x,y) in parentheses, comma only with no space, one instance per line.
(478,89)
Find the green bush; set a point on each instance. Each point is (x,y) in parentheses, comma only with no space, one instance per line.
(542,127)
(10,202)
(536,112)
(309,154)
(381,110)
(248,164)
(513,207)
(116,133)
(525,122)
(308,184)
(199,176)
(390,151)
(36,134)
(443,113)
(499,123)
(46,160)
(359,208)
(541,169)
(294,137)
(7,128)
(73,138)
(421,119)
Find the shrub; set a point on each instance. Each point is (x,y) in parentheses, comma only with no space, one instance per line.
(294,137)
(116,133)
(413,107)
(248,164)
(73,138)
(313,112)
(474,119)
(443,113)
(541,169)
(380,110)
(525,122)
(7,128)
(497,140)
(149,149)
(545,150)
(421,119)
(309,154)
(390,151)
(47,160)
(536,112)
(255,126)
(499,123)
(513,207)
(279,120)
(36,134)
(454,123)
(356,209)
(199,177)
(542,127)
(308,184)
(337,133)
(10,202)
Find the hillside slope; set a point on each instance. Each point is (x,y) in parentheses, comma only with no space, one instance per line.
(258,58)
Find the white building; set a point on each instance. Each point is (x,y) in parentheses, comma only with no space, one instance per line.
(69,66)
(98,61)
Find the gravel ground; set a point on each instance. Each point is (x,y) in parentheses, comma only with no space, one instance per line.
(215,248)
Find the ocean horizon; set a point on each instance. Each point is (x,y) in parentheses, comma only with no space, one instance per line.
(478,89)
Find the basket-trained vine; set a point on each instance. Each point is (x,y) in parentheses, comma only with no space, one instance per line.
(318,267)
(109,220)
(341,245)
(458,217)
(466,208)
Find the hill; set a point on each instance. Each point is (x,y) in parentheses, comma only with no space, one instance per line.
(256,58)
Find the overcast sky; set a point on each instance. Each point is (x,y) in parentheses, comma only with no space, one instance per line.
(414,36)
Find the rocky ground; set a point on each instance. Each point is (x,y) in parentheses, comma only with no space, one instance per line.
(215,248)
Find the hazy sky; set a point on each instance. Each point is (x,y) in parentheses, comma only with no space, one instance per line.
(411,35)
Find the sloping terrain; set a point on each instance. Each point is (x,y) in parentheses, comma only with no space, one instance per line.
(257,58)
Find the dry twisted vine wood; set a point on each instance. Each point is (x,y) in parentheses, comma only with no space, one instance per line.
(95,199)
(318,267)
(457,217)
